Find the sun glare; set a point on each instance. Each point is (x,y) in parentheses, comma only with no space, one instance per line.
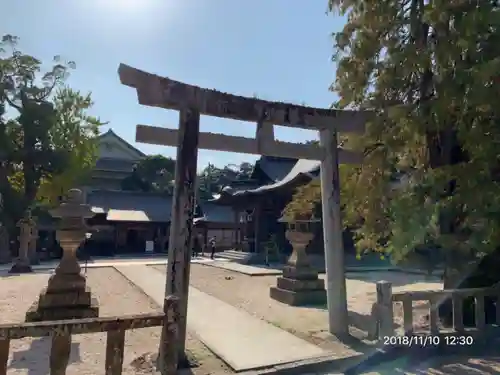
(129,16)
(131,6)
(124,4)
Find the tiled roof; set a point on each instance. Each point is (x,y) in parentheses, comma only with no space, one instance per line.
(131,206)
(302,170)
(109,164)
(239,187)
(214,213)
(111,133)
(276,168)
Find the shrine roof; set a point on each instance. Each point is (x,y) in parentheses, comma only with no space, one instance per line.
(274,167)
(111,134)
(214,213)
(131,206)
(119,165)
(302,170)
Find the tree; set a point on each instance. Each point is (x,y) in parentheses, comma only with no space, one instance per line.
(134,182)
(430,70)
(74,134)
(245,170)
(154,173)
(212,179)
(209,182)
(43,137)
(157,173)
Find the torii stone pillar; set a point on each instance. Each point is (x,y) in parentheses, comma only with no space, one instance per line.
(180,242)
(332,233)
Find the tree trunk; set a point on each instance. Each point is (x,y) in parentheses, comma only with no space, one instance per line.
(443,149)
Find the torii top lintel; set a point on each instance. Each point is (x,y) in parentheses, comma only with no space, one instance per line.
(163,92)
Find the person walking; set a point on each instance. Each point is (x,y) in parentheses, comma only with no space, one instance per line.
(212,243)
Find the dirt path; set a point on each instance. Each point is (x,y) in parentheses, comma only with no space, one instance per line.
(116,297)
(485,364)
(252,295)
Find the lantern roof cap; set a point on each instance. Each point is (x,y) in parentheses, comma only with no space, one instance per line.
(73,206)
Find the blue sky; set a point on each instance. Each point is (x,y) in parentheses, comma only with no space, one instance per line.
(275,49)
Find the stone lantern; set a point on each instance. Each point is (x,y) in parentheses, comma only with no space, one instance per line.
(22,262)
(4,245)
(4,239)
(32,246)
(300,284)
(66,295)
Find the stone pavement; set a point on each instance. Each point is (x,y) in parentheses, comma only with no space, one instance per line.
(96,263)
(243,341)
(275,269)
(250,270)
(106,262)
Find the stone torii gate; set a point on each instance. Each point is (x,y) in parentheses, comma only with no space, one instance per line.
(191,101)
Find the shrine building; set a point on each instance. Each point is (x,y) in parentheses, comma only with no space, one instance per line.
(243,216)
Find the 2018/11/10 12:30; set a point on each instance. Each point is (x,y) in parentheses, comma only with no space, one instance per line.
(428,340)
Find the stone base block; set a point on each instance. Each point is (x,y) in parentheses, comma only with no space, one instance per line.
(20,268)
(297,285)
(36,313)
(300,273)
(67,283)
(70,298)
(302,298)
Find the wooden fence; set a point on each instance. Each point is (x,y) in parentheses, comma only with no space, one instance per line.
(62,330)
(383,312)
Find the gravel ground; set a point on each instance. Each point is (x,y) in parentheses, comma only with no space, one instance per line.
(252,295)
(116,297)
(448,365)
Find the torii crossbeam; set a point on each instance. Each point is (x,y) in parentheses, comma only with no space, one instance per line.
(191,101)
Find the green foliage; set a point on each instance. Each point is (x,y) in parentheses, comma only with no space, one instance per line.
(134,182)
(306,200)
(430,70)
(74,135)
(212,179)
(272,249)
(154,173)
(304,204)
(45,133)
(157,173)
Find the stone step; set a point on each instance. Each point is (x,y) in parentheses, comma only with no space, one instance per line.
(234,255)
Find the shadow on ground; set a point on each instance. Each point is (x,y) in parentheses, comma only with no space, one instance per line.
(397,278)
(362,324)
(480,358)
(35,360)
(6,274)
(148,363)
